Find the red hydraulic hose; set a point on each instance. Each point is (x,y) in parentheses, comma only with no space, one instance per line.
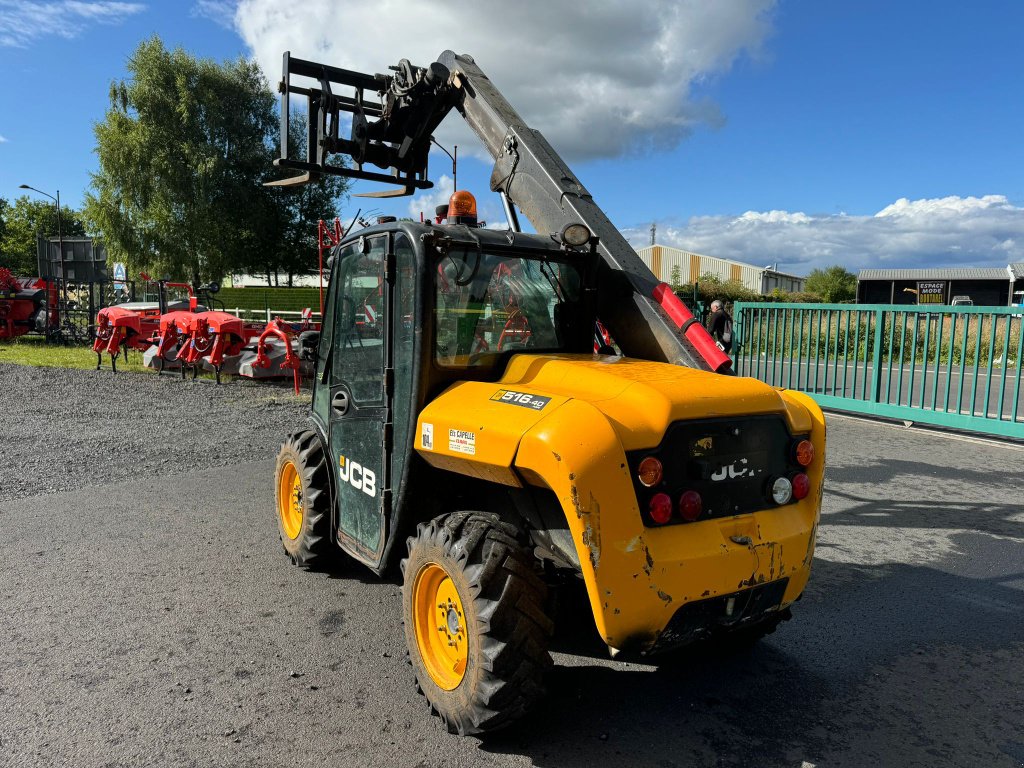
(695,333)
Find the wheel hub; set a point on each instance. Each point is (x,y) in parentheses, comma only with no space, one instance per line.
(453,622)
(440,621)
(290,500)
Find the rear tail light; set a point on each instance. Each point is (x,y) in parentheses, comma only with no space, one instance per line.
(649,472)
(801,486)
(690,505)
(804,453)
(782,490)
(660,508)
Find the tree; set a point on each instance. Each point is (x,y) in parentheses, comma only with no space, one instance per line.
(833,284)
(300,210)
(22,223)
(183,150)
(676,277)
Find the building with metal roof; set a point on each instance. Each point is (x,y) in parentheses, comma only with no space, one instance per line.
(665,260)
(984,286)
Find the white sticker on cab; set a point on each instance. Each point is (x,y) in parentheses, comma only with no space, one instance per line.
(427,437)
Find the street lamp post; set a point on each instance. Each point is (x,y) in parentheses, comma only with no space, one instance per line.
(60,238)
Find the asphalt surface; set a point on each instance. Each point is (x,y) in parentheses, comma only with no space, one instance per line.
(150,617)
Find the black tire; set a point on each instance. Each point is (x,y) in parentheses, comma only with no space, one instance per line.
(506,626)
(308,543)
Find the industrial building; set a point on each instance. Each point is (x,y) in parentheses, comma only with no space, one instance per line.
(984,286)
(663,259)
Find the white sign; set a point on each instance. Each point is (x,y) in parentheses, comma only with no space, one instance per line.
(427,437)
(460,441)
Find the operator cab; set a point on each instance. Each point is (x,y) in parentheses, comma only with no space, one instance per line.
(413,308)
(465,298)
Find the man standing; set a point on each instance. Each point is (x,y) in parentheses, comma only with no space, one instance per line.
(720,326)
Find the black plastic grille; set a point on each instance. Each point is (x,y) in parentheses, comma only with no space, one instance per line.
(730,462)
(702,619)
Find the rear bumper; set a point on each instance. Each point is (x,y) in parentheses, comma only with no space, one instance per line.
(701,619)
(701,577)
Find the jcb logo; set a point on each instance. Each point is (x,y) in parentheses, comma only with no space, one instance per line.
(358,476)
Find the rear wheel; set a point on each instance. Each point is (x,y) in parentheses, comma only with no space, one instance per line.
(475,624)
(303,501)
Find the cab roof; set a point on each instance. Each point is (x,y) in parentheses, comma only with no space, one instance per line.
(475,237)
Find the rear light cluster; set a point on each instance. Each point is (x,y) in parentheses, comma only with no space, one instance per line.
(795,486)
(799,482)
(662,508)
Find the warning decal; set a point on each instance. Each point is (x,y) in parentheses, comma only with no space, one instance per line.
(461,441)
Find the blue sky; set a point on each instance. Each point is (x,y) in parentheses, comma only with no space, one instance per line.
(797,132)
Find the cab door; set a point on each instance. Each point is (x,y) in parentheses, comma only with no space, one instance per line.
(359,407)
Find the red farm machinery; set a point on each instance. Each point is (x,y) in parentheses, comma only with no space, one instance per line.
(190,335)
(23,305)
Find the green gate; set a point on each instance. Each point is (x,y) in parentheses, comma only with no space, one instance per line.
(950,366)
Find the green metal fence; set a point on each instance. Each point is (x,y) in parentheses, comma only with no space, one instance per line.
(951,366)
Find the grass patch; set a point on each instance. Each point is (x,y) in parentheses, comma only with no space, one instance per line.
(35,351)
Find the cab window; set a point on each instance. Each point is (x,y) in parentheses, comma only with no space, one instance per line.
(487,304)
(358,341)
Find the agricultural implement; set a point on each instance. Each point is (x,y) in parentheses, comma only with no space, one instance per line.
(477,441)
(186,336)
(23,305)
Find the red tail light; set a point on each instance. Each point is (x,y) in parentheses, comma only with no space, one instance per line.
(804,453)
(690,505)
(650,471)
(801,486)
(660,508)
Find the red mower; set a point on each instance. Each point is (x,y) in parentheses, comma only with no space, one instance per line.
(22,305)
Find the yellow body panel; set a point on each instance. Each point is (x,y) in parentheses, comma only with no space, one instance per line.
(475,434)
(576,444)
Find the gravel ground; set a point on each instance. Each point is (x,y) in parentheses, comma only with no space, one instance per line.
(66,429)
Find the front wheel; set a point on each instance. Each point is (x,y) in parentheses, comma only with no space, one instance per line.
(303,501)
(473,609)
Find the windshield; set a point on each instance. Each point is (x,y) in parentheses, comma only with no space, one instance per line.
(488,304)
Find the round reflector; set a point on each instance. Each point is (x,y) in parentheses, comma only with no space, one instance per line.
(649,472)
(660,508)
(801,486)
(782,490)
(804,453)
(690,505)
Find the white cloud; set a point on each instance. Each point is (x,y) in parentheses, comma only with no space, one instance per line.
(950,231)
(23,22)
(3,139)
(428,200)
(220,12)
(614,79)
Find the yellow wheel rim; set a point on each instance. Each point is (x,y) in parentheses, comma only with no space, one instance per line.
(289,500)
(440,622)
